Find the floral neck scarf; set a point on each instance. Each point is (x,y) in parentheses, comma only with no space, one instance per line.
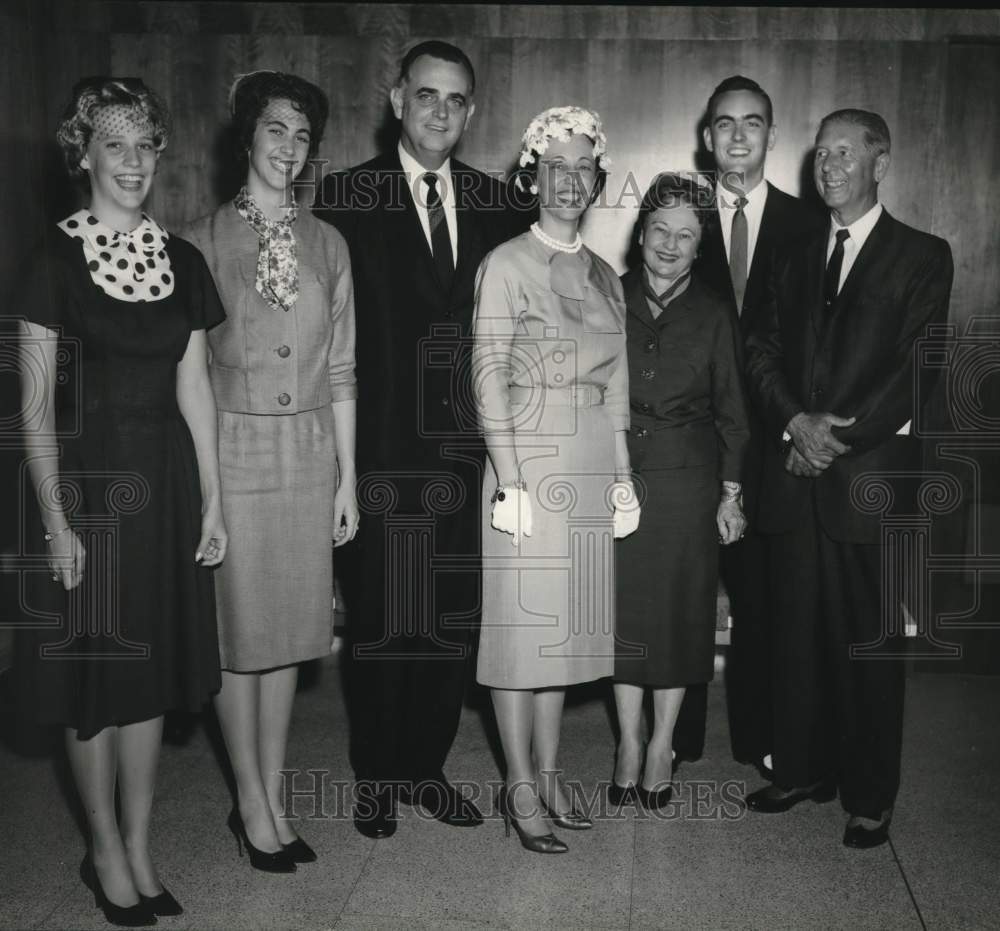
(277,265)
(131,266)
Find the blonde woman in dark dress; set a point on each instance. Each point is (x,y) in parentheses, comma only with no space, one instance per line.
(120,435)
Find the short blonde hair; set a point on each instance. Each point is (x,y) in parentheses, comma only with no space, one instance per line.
(94,94)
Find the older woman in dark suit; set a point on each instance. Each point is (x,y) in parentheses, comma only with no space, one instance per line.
(687,438)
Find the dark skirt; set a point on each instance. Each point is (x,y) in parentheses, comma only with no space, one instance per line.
(667,581)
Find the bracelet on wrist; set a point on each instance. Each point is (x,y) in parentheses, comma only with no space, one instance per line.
(50,535)
(503,487)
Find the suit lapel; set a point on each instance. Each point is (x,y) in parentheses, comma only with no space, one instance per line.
(866,258)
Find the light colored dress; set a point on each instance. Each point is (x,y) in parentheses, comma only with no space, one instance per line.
(550,371)
(276,375)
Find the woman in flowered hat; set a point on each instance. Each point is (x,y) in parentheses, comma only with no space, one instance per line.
(282,366)
(120,432)
(551,385)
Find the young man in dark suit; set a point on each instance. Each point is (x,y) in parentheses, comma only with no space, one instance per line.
(831,361)
(756,220)
(418,223)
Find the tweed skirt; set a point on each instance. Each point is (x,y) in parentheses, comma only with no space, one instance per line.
(274,591)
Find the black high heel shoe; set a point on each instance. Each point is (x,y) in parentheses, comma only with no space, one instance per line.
(164,904)
(278,862)
(536,843)
(622,795)
(300,851)
(657,798)
(127,916)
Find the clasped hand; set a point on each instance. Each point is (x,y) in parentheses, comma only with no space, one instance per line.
(512,513)
(815,445)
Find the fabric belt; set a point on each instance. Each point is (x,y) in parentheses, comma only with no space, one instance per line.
(575,396)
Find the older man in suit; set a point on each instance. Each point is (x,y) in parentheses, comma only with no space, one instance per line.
(832,364)
(756,220)
(418,223)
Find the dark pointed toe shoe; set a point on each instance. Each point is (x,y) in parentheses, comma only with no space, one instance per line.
(772,800)
(164,904)
(655,799)
(859,836)
(264,860)
(619,795)
(139,915)
(300,851)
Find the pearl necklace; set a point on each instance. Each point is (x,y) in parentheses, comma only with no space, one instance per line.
(544,237)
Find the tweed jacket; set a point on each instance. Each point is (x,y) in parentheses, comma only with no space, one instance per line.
(266,361)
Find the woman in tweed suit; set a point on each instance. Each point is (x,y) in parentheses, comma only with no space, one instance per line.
(282,368)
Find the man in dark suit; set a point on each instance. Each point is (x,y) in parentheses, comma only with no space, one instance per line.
(418,223)
(832,364)
(756,220)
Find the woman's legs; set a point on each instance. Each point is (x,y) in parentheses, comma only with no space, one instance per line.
(277,693)
(138,757)
(548,708)
(238,708)
(659,756)
(94,764)
(515,713)
(628,700)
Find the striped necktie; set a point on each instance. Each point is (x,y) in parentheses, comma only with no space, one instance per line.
(440,240)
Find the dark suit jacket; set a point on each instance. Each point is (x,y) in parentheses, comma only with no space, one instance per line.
(786,220)
(855,360)
(688,405)
(412,334)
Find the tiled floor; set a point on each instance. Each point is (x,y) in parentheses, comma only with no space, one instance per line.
(704,864)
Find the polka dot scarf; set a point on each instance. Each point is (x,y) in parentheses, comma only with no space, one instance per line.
(277,265)
(131,266)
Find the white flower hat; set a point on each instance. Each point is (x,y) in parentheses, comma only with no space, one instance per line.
(561,123)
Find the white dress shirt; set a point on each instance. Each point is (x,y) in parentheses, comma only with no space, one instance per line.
(860,230)
(753,210)
(415,172)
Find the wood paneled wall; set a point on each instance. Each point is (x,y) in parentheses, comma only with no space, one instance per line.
(647,70)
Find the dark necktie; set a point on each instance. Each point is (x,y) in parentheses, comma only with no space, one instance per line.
(440,240)
(738,249)
(831,284)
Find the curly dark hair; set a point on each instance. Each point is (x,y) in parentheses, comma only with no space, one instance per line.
(675,190)
(251,94)
(92,94)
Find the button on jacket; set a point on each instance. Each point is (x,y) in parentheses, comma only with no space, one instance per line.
(685,382)
(265,361)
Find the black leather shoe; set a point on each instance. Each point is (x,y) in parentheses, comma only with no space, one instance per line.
(656,798)
(375,811)
(772,800)
(164,904)
(443,802)
(619,795)
(860,837)
(300,851)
